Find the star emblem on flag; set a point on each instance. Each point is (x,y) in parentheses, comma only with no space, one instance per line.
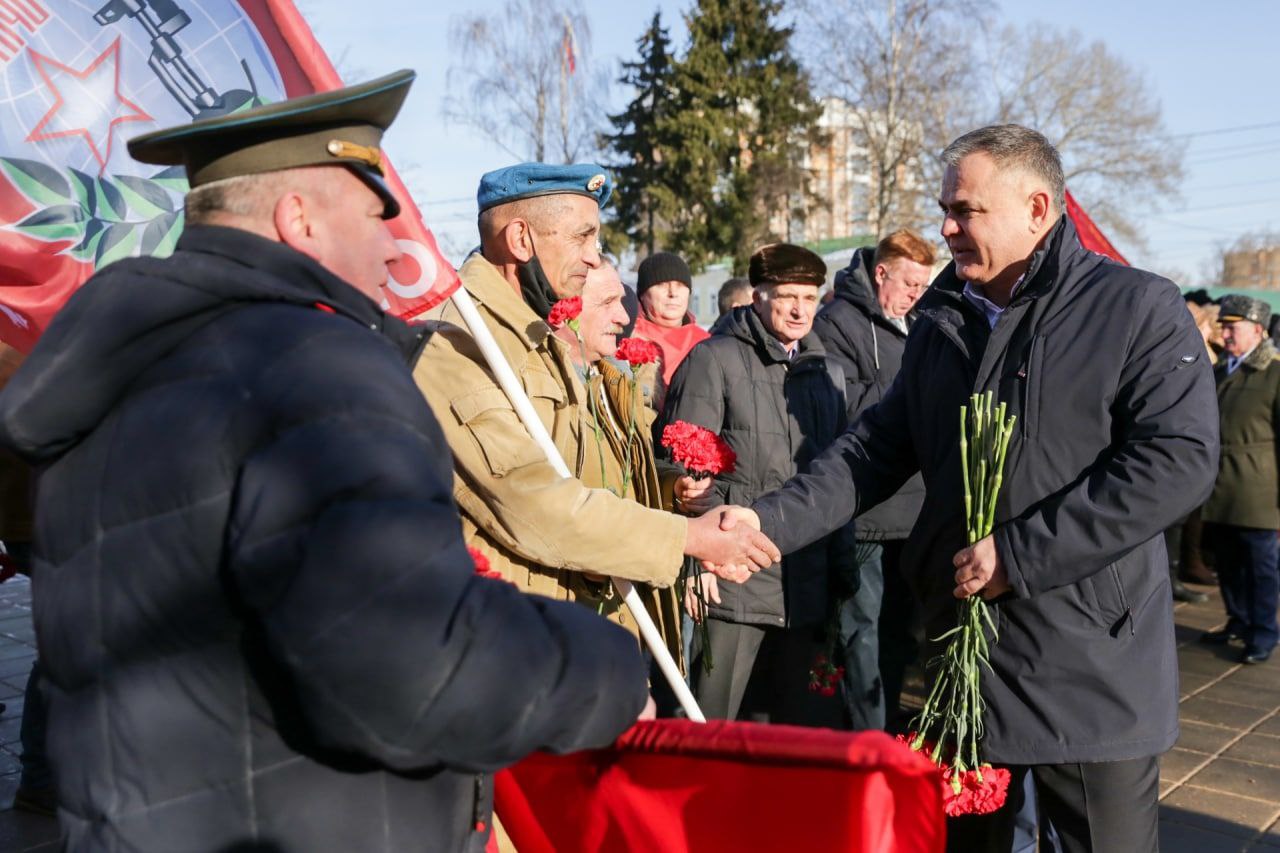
(87,103)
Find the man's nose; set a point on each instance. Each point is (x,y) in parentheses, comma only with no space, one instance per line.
(391,248)
(949,226)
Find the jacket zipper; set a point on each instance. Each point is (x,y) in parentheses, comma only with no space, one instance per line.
(1124,601)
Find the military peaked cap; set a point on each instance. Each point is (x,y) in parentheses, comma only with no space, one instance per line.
(1236,307)
(342,127)
(527,180)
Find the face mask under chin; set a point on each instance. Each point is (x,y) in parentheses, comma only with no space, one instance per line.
(535,288)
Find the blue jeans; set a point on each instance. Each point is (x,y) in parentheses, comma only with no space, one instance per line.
(1248,564)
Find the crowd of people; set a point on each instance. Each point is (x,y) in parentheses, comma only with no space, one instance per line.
(262,502)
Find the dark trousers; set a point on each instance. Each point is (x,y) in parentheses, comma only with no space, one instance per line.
(1248,564)
(860,640)
(1101,807)
(761,674)
(897,627)
(877,636)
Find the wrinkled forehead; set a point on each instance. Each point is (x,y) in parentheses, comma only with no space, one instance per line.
(979,174)
(790,289)
(603,283)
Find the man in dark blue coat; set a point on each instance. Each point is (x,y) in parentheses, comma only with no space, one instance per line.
(259,626)
(864,331)
(1116,438)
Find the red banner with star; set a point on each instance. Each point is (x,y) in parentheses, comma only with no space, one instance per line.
(76,82)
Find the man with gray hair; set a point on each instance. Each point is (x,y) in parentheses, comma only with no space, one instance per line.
(1116,438)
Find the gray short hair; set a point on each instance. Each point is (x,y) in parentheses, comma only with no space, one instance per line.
(1014,145)
(243,195)
(542,212)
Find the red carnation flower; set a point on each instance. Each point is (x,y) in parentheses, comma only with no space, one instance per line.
(636,351)
(483,567)
(698,449)
(982,790)
(564,311)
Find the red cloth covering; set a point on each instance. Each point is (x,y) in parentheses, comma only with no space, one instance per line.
(674,343)
(676,786)
(1091,236)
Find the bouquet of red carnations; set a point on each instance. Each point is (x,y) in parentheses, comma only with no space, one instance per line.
(950,725)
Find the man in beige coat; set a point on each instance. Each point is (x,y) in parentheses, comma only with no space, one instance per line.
(539,226)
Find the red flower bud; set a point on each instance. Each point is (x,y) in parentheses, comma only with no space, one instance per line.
(564,311)
(636,351)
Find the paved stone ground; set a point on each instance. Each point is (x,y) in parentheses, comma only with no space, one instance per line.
(1219,788)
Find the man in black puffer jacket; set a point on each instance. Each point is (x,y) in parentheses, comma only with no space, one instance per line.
(258,623)
(864,330)
(763,384)
(1116,438)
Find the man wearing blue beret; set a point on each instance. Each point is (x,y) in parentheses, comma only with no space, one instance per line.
(539,225)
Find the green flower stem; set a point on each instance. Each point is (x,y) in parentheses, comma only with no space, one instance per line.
(952,717)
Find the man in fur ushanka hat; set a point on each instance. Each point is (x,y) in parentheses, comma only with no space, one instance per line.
(764,385)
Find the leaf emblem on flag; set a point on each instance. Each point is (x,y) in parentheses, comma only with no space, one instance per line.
(104,218)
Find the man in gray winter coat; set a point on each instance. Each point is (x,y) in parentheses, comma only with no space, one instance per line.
(763,385)
(1116,438)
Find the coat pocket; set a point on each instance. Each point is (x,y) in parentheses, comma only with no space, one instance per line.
(1113,610)
(501,439)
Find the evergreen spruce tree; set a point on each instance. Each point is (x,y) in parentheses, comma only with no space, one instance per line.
(640,206)
(743,121)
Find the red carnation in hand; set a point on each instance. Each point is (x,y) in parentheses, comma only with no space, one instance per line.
(564,311)
(483,567)
(698,449)
(636,351)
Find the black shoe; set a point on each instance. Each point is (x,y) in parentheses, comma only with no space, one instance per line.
(1197,573)
(1255,657)
(41,801)
(1219,638)
(1181,593)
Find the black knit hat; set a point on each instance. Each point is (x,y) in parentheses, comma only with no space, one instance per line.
(660,267)
(784,263)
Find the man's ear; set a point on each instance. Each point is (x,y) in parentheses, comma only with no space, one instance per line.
(519,240)
(290,218)
(880,273)
(1041,208)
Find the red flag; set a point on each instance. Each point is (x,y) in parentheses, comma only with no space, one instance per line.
(679,786)
(80,81)
(567,44)
(1091,236)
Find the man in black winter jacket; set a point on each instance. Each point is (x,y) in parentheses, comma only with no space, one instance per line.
(764,387)
(864,330)
(1116,438)
(258,624)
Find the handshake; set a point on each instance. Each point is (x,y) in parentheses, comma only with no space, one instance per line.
(728,541)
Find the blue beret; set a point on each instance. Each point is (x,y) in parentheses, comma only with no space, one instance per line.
(527,180)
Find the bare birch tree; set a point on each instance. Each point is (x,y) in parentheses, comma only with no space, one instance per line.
(901,65)
(523,77)
(1100,113)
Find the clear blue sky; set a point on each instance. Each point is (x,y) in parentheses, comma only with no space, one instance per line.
(1212,67)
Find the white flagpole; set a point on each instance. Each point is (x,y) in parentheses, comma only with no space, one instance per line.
(524,409)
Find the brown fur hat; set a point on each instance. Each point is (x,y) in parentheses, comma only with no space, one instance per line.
(784,263)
